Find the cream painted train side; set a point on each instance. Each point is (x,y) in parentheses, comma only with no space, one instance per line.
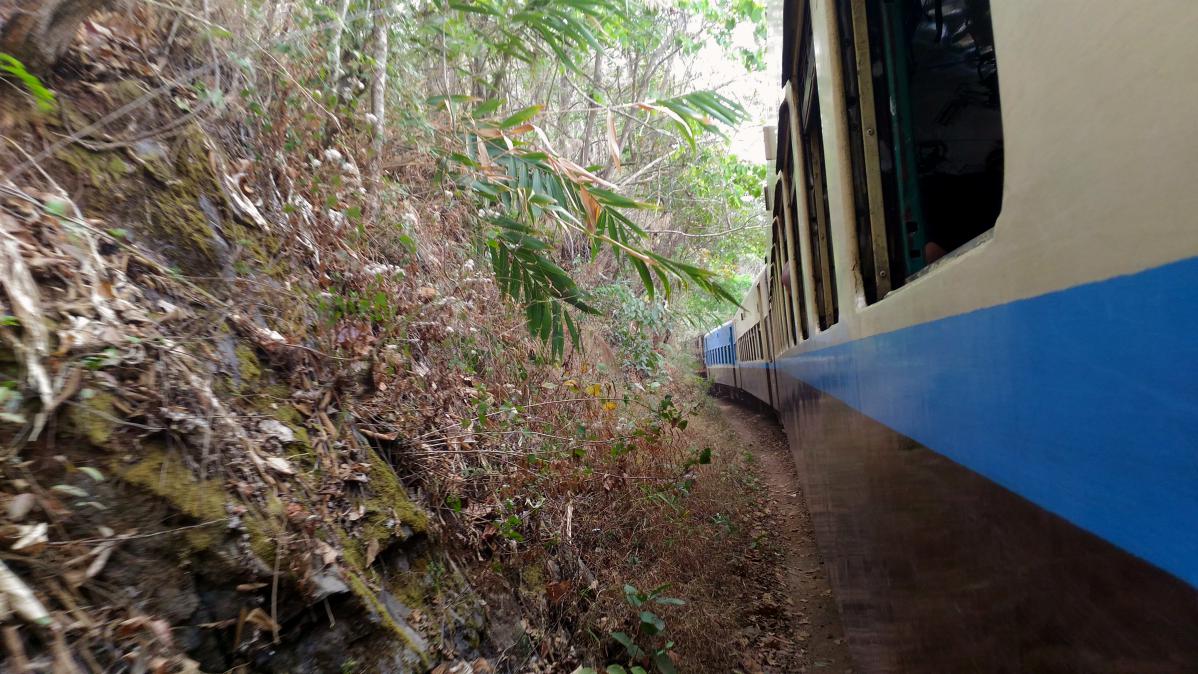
(977,322)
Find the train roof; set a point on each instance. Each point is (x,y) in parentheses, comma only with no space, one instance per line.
(722,326)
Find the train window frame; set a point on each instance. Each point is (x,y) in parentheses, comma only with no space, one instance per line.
(789,279)
(898,211)
(807,135)
(797,278)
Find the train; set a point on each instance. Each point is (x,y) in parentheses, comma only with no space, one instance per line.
(977,322)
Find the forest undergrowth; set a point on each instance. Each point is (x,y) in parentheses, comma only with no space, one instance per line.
(286,390)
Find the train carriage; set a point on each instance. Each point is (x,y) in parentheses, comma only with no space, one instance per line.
(976,322)
(719,356)
(750,326)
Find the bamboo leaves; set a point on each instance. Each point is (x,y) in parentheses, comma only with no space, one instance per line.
(525,31)
(535,198)
(520,117)
(697,111)
(527,275)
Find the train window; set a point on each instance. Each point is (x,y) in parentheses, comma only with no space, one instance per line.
(786,280)
(799,299)
(810,132)
(925,128)
(788,277)
(775,294)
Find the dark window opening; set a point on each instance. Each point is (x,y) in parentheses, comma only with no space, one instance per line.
(784,210)
(925,127)
(823,272)
(789,266)
(800,279)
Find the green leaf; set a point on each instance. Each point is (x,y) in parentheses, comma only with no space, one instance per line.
(615,669)
(609,198)
(56,207)
(629,645)
(488,107)
(651,623)
(69,490)
(646,279)
(93,473)
(521,116)
(452,98)
(664,664)
(633,596)
(41,95)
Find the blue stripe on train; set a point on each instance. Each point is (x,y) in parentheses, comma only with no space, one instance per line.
(1084,401)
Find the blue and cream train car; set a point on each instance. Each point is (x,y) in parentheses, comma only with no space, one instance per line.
(978,322)
(719,356)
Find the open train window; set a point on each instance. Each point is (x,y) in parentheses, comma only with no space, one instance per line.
(798,279)
(925,130)
(789,277)
(811,136)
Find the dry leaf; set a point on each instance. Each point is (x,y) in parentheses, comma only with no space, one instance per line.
(20,505)
(592,206)
(328,554)
(277,429)
(261,620)
(31,537)
(279,465)
(372,551)
(613,146)
(22,598)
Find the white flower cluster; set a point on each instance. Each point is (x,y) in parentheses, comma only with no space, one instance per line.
(409,218)
(333,156)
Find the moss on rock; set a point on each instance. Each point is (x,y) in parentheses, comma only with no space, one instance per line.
(164,475)
(371,600)
(94,418)
(388,510)
(105,171)
(249,370)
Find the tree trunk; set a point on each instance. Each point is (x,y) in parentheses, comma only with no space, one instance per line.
(378,93)
(584,152)
(335,48)
(40,31)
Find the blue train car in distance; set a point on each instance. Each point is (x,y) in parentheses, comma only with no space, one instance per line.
(719,355)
